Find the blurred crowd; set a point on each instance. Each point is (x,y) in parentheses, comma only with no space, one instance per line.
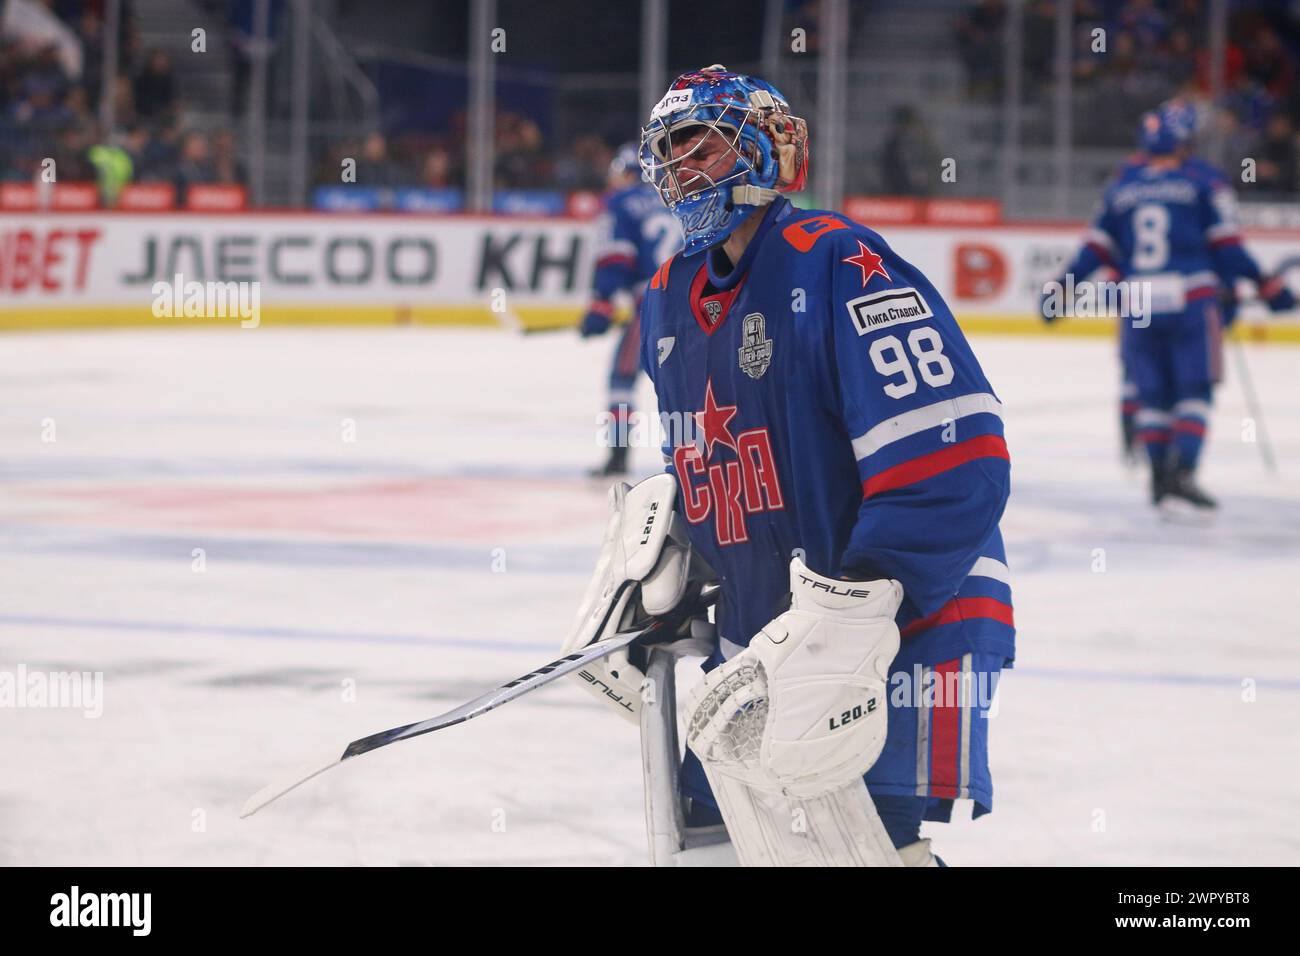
(49,109)
(524,160)
(50,100)
(1131,54)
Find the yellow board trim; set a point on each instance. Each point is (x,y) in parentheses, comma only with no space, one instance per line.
(531,318)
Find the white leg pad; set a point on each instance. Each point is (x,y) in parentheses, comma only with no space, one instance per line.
(840,828)
(918,854)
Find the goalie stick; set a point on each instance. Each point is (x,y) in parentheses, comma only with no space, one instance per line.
(468,711)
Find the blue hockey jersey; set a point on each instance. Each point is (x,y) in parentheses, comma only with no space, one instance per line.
(636,233)
(1176,224)
(819,399)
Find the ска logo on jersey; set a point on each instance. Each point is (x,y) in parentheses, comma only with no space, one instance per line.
(724,475)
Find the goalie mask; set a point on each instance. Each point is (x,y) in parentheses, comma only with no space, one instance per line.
(719,147)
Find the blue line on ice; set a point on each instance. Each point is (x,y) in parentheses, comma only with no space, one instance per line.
(293,552)
(277,633)
(498,644)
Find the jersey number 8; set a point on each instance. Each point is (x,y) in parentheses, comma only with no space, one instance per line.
(888,357)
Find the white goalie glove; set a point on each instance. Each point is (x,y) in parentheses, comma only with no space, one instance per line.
(803,709)
(645,570)
(786,728)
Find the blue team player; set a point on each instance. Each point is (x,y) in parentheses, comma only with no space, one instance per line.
(1169,222)
(636,234)
(840,471)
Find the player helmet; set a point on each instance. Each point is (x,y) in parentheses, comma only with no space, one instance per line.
(1167,128)
(765,151)
(626,162)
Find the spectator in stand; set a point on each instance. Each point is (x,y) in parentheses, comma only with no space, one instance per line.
(71,154)
(910,162)
(1179,62)
(77,102)
(124,100)
(164,149)
(1124,90)
(1145,23)
(520,162)
(1039,43)
(195,165)
(90,30)
(1250,103)
(329,169)
(40,111)
(46,68)
(584,166)
(114,169)
(137,142)
(155,86)
(436,172)
(1188,15)
(375,168)
(1277,171)
(979,38)
(1238,142)
(1269,63)
(228,169)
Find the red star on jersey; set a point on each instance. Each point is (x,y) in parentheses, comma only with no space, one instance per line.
(713,421)
(868,262)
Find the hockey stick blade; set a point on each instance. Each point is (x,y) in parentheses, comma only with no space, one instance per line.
(494,698)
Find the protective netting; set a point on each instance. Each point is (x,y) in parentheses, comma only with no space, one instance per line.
(744,692)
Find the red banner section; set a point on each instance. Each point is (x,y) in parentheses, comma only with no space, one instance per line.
(210,197)
(19,197)
(76,197)
(134,197)
(147,197)
(906,210)
(42,197)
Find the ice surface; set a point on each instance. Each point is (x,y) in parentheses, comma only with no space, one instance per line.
(444,550)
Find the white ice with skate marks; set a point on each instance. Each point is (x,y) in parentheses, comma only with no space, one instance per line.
(354,585)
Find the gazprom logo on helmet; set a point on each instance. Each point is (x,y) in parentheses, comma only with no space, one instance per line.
(674,100)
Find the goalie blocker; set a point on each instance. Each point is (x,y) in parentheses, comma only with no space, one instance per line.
(645,572)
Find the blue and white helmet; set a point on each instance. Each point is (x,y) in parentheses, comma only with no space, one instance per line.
(769,149)
(1167,128)
(626,161)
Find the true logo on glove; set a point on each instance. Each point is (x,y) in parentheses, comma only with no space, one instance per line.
(833,588)
(849,716)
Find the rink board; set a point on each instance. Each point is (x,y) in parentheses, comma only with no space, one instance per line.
(74,270)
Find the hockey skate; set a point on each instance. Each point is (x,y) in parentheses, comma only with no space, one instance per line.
(1179,498)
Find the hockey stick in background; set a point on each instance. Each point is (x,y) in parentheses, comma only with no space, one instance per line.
(511,322)
(1252,404)
(479,705)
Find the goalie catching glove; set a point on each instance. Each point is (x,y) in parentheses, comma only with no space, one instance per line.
(802,711)
(646,571)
